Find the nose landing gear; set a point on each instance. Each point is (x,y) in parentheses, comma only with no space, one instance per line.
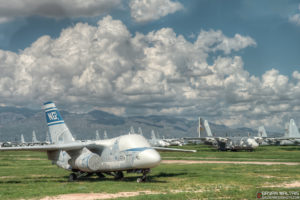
(144,177)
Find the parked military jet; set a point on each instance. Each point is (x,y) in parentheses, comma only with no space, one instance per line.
(131,153)
(156,142)
(291,135)
(224,143)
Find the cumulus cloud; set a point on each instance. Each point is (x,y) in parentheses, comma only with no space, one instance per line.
(149,10)
(106,66)
(54,8)
(296,17)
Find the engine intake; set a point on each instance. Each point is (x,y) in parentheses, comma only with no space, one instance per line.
(87,161)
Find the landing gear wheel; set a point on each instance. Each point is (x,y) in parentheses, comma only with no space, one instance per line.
(72,177)
(100,175)
(119,175)
(144,177)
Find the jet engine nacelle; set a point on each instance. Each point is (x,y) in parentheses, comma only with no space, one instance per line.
(87,161)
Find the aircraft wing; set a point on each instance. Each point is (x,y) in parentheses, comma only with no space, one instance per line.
(52,147)
(163,149)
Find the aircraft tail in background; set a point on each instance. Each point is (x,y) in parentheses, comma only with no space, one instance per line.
(262,132)
(97,135)
(22,139)
(153,137)
(203,126)
(293,130)
(59,132)
(34,140)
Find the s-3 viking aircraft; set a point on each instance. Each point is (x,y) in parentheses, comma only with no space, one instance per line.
(131,153)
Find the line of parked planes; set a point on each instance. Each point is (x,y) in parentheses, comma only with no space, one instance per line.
(232,143)
(127,153)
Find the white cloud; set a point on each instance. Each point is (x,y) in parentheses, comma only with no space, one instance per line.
(149,10)
(105,66)
(55,8)
(295,18)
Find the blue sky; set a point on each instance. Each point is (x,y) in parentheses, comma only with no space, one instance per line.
(234,62)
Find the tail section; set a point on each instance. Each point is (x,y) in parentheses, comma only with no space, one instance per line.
(200,127)
(293,129)
(286,130)
(97,135)
(132,131)
(262,132)
(34,140)
(203,126)
(59,132)
(207,128)
(48,137)
(105,137)
(140,131)
(153,137)
(22,139)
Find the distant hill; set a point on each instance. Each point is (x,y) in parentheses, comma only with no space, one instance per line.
(17,121)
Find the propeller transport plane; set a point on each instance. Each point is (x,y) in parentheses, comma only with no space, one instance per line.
(224,143)
(131,153)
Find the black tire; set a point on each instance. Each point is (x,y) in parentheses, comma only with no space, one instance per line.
(72,177)
(119,175)
(100,175)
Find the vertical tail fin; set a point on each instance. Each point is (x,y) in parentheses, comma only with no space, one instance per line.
(59,132)
(207,128)
(22,138)
(199,127)
(286,130)
(131,130)
(140,131)
(97,135)
(293,129)
(47,137)
(105,135)
(34,140)
(262,132)
(153,137)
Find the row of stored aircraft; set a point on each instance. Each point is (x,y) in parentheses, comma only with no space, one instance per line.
(131,153)
(222,143)
(291,137)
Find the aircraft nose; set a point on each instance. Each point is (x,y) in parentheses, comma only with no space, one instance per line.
(147,159)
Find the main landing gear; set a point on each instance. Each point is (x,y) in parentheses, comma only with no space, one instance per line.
(118,175)
(75,175)
(144,177)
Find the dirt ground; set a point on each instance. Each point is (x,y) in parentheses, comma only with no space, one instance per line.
(94,196)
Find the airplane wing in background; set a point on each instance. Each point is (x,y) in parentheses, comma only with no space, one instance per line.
(163,149)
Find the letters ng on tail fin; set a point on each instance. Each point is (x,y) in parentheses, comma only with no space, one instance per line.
(59,132)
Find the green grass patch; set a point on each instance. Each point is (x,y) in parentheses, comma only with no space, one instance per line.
(30,175)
